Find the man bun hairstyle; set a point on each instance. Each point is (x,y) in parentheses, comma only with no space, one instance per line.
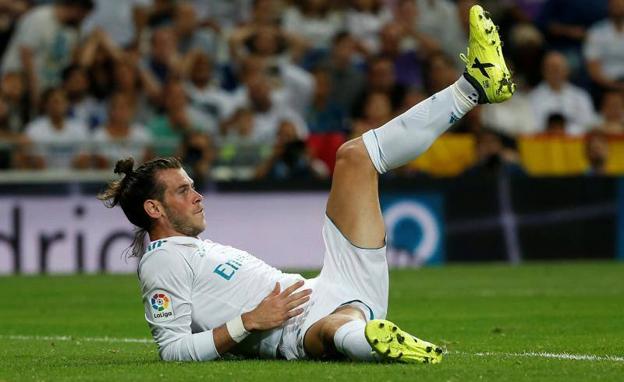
(131,191)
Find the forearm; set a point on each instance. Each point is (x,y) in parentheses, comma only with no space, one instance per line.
(203,346)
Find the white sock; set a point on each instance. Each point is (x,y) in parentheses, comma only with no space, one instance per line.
(410,134)
(350,341)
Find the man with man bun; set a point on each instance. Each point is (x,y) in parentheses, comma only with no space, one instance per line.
(204,299)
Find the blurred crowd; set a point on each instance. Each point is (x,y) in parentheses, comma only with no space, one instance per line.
(271,88)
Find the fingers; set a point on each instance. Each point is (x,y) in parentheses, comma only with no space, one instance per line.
(275,290)
(292,288)
(294,313)
(298,295)
(295,303)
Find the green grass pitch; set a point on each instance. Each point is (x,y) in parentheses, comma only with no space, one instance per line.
(547,321)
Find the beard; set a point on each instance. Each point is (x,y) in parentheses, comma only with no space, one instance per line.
(183,224)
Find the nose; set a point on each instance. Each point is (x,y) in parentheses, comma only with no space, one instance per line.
(197,196)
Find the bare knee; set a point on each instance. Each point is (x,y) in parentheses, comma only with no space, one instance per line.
(319,340)
(353,153)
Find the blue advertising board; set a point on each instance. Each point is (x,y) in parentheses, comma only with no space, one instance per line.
(415,228)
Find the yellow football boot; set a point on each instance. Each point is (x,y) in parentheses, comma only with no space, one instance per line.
(393,344)
(485,65)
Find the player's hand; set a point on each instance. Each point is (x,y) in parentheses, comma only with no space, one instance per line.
(277,308)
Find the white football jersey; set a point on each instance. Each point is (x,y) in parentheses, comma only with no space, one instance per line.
(190,287)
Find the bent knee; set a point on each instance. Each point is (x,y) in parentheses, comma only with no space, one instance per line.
(353,153)
(334,321)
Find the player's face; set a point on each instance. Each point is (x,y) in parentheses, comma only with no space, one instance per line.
(182,204)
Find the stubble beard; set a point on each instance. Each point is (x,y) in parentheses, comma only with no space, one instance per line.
(183,224)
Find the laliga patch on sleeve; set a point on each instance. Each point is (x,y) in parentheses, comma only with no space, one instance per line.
(161,306)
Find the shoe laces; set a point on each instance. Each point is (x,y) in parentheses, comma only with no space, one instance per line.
(463,57)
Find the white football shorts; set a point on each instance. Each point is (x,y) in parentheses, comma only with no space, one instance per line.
(349,275)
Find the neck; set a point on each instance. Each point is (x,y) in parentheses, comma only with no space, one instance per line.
(556,87)
(57,122)
(118,129)
(159,232)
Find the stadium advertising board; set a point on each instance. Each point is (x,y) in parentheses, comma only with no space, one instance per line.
(415,229)
(67,235)
(77,234)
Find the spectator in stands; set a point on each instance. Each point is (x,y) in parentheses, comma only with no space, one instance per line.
(163,60)
(160,14)
(347,81)
(237,144)
(290,159)
(363,21)
(611,118)
(291,84)
(555,94)
(314,21)
(124,21)
(326,121)
(266,41)
(445,21)
(406,17)
(140,87)
(494,157)
(197,155)
(261,34)
(269,112)
(222,15)
(188,33)
(13,90)
(526,48)
(206,96)
(407,62)
(11,141)
(556,124)
(565,24)
(381,79)
(120,137)
(440,72)
(97,55)
(44,41)
(10,12)
(604,49)
(513,118)
(177,119)
(58,141)
(82,106)
(597,152)
(264,12)
(376,112)
(324,116)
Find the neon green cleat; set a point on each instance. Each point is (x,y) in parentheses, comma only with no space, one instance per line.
(393,344)
(485,65)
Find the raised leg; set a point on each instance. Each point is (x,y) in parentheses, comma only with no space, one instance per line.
(353,203)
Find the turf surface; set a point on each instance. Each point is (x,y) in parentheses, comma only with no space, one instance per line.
(495,321)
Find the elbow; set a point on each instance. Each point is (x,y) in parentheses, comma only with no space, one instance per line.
(167,354)
(172,353)
(181,351)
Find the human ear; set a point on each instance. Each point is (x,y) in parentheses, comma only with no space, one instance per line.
(153,208)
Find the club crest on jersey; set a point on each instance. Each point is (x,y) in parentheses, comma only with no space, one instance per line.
(161,307)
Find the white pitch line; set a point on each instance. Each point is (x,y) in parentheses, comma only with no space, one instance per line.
(84,339)
(561,356)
